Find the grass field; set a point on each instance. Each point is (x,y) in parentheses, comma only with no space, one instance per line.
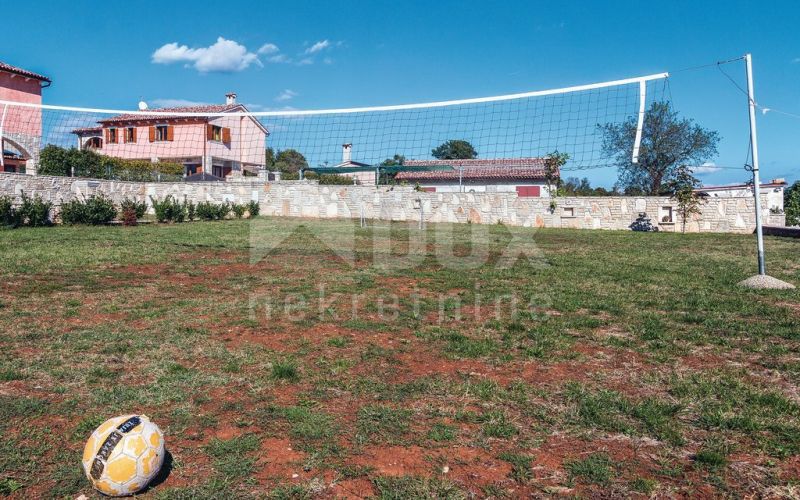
(630,365)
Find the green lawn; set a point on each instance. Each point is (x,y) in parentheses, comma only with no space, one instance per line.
(334,363)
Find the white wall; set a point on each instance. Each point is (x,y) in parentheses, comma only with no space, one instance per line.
(483,187)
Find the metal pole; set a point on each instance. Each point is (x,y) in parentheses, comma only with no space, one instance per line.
(762,269)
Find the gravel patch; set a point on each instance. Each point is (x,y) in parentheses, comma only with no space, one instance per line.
(763,281)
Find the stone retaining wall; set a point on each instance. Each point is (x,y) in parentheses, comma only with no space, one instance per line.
(401,203)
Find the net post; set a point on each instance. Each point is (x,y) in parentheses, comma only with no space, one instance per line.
(640,123)
(762,270)
(2,146)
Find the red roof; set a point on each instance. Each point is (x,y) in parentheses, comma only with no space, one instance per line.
(480,162)
(163,113)
(87,130)
(22,72)
(477,169)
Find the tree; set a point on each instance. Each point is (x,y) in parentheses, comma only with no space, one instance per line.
(290,161)
(668,142)
(574,186)
(791,204)
(393,161)
(683,192)
(456,149)
(552,175)
(269,158)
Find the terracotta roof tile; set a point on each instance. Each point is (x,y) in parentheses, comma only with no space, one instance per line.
(477,169)
(22,72)
(85,130)
(163,113)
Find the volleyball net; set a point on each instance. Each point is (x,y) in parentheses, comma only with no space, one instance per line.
(232,138)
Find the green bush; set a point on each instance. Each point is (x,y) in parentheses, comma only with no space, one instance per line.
(213,211)
(35,212)
(169,209)
(335,179)
(238,210)
(138,207)
(55,160)
(9,216)
(95,210)
(253,208)
(191,210)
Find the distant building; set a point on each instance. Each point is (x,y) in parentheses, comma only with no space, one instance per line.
(20,127)
(365,178)
(525,176)
(772,191)
(217,145)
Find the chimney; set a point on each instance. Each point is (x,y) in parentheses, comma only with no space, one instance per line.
(230,98)
(347,153)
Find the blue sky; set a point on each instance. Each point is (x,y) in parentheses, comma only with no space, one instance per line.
(327,54)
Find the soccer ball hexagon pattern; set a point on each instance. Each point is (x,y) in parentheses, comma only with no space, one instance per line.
(123,455)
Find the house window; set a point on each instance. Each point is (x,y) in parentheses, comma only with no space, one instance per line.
(666,214)
(130,134)
(216,133)
(94,143)
(221,170)
(112,135)
(192,169)
(161,132)
(568,212)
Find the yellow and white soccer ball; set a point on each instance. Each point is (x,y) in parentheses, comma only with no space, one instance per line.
(123,455)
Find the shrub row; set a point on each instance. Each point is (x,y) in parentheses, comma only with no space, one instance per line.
(171,210)
(56,160)
(33,212)
(99,209)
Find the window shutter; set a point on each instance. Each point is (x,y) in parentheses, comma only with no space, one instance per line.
(152,134)
(170,133)
(123,132)
(226,135)
(209,132)
(133,134)
(108,135)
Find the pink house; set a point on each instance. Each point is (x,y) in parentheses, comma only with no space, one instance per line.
(20,127)
(217,145)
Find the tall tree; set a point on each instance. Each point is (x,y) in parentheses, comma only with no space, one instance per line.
(269,157)
(455,149)
(668,142)
(290,161)
(791,204)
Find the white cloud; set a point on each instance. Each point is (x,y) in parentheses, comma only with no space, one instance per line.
(321,45)
(305,61)
(286,95)
(327,60)
(706,168)
(279,58)
(269,48)
(174,103)
(796,60)
(224,56)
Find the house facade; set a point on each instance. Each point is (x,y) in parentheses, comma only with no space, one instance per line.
(771,191)
(525,176)
(216,145)
(359,175)
(20,127)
